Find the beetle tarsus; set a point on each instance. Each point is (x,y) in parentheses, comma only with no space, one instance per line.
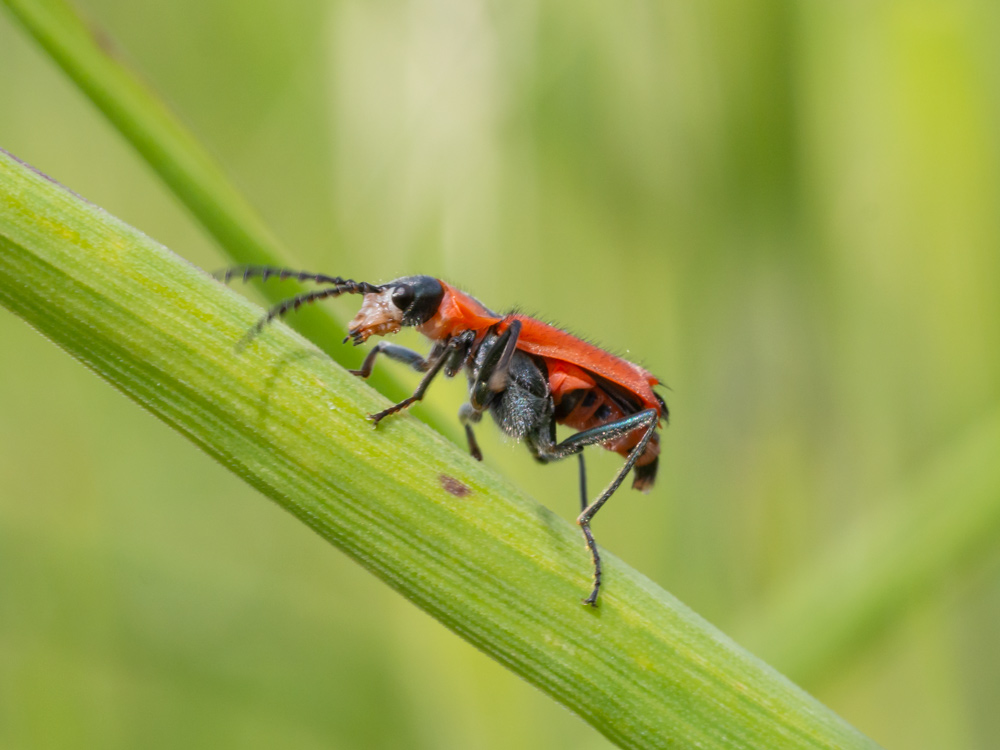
(595,558)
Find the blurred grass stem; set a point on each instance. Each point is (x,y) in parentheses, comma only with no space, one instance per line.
(945,518)
(183,164)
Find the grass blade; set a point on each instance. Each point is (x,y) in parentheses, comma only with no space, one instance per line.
(494,566)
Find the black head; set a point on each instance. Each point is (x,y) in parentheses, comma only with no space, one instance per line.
(418,297)
(408,301)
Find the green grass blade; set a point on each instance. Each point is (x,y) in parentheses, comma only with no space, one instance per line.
(494,566)
(947,518)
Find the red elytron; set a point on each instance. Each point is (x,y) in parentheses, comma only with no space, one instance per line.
(529,374)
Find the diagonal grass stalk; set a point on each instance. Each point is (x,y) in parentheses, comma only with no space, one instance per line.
(494,566)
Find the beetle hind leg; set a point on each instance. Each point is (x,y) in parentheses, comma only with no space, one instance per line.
(575,444)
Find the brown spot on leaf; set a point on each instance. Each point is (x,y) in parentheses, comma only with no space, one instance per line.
(455,487)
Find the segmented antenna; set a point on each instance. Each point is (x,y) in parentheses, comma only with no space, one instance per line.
(340,286)
(245,273)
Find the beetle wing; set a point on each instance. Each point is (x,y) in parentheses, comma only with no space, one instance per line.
(547,341)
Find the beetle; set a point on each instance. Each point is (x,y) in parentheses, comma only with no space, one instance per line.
(528,374)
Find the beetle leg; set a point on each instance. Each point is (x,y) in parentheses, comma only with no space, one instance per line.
(433,368)
(467,415)
(460,353)
(392,351)
(492,378)
(575,444)
(416,360)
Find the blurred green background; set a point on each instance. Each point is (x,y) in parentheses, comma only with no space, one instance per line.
(789,211)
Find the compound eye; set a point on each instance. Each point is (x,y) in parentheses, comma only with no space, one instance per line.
(402,297)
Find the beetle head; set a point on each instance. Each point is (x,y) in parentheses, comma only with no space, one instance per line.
(408,301)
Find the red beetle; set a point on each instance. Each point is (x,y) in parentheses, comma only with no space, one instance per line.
(529,374)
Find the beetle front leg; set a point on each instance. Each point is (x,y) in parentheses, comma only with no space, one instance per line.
(435,363)
(492,377)
(392,351)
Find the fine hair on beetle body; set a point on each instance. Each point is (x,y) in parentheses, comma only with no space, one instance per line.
(529,375)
